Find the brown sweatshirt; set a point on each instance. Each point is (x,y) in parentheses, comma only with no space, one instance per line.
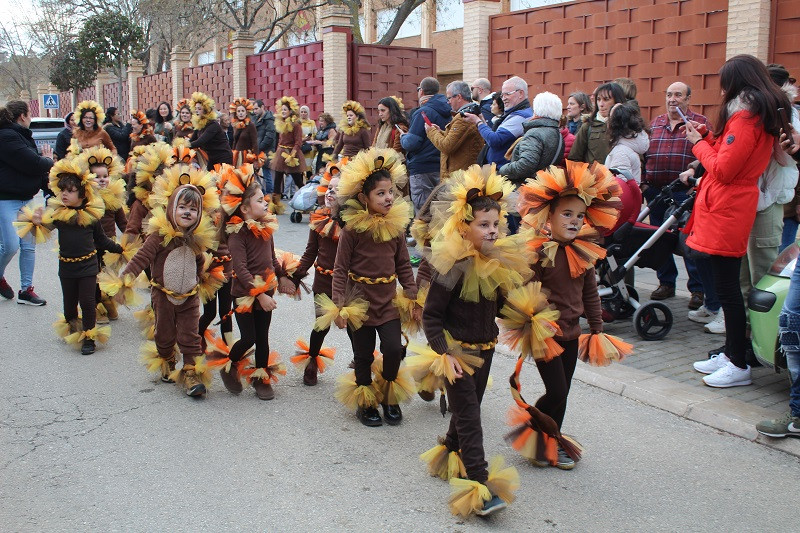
(323,249)
(114,218)
(350,145)
(90,138)
(250,256)
(246,138)
(154,254)
(471,322)
(571,296)
(136,216)
(360,254)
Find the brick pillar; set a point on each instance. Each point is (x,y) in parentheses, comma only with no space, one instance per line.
(476,37)
(336,35)
(427,23)
(103,77)
(242,47)
(178,60)
(748,28)
(41,90)
(135,71)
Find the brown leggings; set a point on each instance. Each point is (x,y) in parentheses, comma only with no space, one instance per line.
(80,291)
(557,378)
(466,433)
(363,340)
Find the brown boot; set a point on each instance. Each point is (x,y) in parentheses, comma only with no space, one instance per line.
(111,308)
(194,387)
(102,314)
(232,380)
(263,390)
(310,373)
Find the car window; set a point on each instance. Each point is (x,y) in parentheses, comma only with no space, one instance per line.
(51,124)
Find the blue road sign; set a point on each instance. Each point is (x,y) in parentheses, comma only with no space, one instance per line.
(51,101)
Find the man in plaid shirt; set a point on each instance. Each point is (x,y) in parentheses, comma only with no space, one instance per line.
(669,155)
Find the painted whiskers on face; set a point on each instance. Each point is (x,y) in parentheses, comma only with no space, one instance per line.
(567,218)
(186,215)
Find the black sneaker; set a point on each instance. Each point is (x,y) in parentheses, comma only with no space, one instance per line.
(369,416)
(88,347)
(5,290)
(492,506)
(28,297)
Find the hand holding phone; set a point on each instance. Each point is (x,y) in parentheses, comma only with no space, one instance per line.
(680,112)
(787,129)
(426,119)
(399,129)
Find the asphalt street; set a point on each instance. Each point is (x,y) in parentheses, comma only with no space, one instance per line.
(94,443)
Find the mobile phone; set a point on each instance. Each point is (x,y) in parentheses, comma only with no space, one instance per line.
(398,129)
(678,109)
(426,119)
(787,129)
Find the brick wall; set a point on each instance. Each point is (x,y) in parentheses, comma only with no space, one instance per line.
(33,107)
(111,98)
(89,93)
(213,79)
(379,71)
(785,45)
(296,71)
(154,89)
(579,45)
(449,50)
(64,103)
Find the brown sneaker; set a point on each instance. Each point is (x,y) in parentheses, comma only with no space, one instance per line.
(263,390)
(310,373)
(696,301)
(232,380)
(663,292)
(194,387)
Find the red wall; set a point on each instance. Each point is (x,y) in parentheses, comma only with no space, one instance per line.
(577,46)
(154,89)
(33,107)
(786,24)
(296,71)
(214,79)
(112,99)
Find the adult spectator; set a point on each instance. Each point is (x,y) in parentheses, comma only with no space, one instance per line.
(163,124)
(482,93)
(579,109)
(734,157)
(309,132)
(23,173)
(227,127)
(517,110)
(267,136)
(459,143)
(569,138)
(591,142)
(669,154)
(541,146)
(119,132)
(324,140)
(392,124)
(422,157)
(64,137)
(629,90)
(498,108)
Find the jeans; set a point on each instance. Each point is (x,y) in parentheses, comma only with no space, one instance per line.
(789,235)
(10,243)
(706,276)
(668,273)
(266,180)
(421,187)
(789,334)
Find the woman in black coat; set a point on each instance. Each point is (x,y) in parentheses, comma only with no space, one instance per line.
(120,133)
(23,173)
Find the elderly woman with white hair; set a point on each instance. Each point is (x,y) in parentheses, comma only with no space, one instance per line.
(541,145)
(309,132)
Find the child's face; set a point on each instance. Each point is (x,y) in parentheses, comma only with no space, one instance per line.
(256,207)
(185,215)
(330,194)
(380,199)
(70,197)
(483,228)
(101,173)
(567,218)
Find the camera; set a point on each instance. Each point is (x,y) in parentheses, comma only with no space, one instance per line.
(472,109)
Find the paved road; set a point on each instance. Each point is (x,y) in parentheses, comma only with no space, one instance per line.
(94,443)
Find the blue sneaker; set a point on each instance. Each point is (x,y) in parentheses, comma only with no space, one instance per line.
(492,506)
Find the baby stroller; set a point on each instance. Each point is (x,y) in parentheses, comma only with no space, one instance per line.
(644,246)
(304,200)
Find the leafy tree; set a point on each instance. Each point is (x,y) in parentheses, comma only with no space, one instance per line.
(69,70)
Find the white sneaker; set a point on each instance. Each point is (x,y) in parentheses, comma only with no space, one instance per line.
(702,315)
(729,375)
(717,325)
(712,364)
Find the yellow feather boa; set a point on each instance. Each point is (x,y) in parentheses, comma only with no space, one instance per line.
(383,227)
(201,239)
(282,125)
(113,195)
(355,128)
(83,216)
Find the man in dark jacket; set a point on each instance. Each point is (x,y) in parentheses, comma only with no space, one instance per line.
(120,133)
(265,126)
(64,137)
(422,157)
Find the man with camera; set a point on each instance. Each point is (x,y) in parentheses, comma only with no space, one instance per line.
(460,142)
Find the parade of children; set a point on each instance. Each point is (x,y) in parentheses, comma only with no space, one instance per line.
(317,323)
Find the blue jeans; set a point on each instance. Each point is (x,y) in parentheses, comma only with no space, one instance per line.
(789,333)
(10,243)
(789,235)
(706,275)
(266,180)
(668,273)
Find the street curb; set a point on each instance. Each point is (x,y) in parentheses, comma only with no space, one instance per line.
(698,405)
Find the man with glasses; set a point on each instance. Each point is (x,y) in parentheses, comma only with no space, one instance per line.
(482,93)
(517,111)
(460,143)
(422,157)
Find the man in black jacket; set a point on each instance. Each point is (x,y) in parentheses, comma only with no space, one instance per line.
(267,136)
(64,137)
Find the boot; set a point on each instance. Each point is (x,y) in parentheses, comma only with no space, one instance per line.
(231,379)
(111,308)
(102,314)
(88,347)
(194,387)
(369,416)
(310,373)
(392,414)
(263,390)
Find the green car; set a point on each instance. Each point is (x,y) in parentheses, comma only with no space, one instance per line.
(765,303)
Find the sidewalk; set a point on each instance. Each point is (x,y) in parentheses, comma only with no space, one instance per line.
(660,374)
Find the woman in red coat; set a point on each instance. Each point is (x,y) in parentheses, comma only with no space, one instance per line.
(734,157)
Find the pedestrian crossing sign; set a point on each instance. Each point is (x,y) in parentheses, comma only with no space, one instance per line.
(51,101)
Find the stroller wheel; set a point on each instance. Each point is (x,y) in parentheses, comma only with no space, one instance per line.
(653,321)
(296,216)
